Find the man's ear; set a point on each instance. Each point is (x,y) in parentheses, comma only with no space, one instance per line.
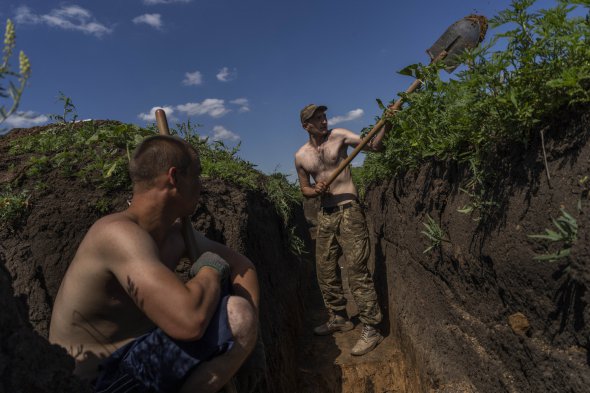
(172,176)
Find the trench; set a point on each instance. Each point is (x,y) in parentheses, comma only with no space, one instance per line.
(325,363)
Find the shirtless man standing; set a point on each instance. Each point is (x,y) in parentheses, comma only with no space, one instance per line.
(130,323)
(342,228)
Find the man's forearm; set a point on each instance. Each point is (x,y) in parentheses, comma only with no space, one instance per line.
(376,144)
(309,192)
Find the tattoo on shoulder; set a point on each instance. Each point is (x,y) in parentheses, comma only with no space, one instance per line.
(133,291)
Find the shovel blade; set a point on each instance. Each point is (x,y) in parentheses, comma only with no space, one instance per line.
(464,34)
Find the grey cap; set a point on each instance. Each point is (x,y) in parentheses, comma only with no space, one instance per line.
(309,111)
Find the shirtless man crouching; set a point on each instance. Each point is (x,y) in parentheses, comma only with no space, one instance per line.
(130,323)
(342,229)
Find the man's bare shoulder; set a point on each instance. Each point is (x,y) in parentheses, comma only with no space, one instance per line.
(116,221)
(108,234)
(302,152)
(341,133)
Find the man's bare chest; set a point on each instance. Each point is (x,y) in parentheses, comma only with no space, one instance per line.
(321,158)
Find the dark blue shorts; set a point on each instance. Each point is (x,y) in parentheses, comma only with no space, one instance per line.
(155,362)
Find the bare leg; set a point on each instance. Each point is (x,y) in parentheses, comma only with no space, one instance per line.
(211,376)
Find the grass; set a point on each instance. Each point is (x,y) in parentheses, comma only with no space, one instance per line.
(91,153)
(98,153)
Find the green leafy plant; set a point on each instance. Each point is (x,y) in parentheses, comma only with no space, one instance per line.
(296,244)
(12,91)
(535,67)
(283,194)
(477,205)
(13,206)
(69,110)
(434,233)
(94,154)
(566,234)
(219,160)
(102,206)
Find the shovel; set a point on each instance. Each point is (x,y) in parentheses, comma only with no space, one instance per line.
(464,34)
(187,227)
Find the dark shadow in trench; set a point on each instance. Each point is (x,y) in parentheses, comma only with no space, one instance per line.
(317,358)
(380,279)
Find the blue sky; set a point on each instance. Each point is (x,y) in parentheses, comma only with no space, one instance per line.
(241,69)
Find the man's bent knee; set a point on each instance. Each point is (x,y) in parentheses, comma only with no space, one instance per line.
(242,322)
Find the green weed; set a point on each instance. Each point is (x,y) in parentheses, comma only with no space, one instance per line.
(296,244)
(283,194)
(566,233)
(434,233)
(102,206)
(69,110)
(13,206)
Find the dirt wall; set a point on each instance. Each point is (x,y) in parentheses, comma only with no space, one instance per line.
(479,313)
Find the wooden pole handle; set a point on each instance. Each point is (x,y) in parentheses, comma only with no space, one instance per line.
(392,108)
(187,227)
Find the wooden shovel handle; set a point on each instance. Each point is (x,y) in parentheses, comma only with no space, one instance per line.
(187,227)
(393,109)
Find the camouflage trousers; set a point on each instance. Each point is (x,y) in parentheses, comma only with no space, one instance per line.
(344,232)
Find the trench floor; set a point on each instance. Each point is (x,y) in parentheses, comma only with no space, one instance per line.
(327,365)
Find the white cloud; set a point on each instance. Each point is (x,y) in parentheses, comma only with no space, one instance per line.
(192,78)
(153,2)
(71,17)
(242,103)
(24,120)
(213,107)
(352,115)
(151,115)
(154,20)
(220,133)
(226,75)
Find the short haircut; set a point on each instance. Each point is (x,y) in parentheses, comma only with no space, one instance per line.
(156,154)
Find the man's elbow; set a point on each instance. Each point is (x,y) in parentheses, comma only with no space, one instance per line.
(190,328)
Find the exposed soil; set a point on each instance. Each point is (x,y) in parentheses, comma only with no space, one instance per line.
(476,314)
(479,313)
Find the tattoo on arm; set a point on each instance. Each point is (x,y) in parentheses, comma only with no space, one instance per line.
(133,291)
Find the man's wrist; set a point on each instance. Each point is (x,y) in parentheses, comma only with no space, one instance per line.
(213,261)
(222,270)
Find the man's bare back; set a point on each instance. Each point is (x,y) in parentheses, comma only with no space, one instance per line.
(93,314)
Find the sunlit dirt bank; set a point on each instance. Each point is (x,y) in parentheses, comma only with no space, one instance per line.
(476,313)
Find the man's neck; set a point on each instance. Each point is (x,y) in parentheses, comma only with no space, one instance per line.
(150,212)
(318,140)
